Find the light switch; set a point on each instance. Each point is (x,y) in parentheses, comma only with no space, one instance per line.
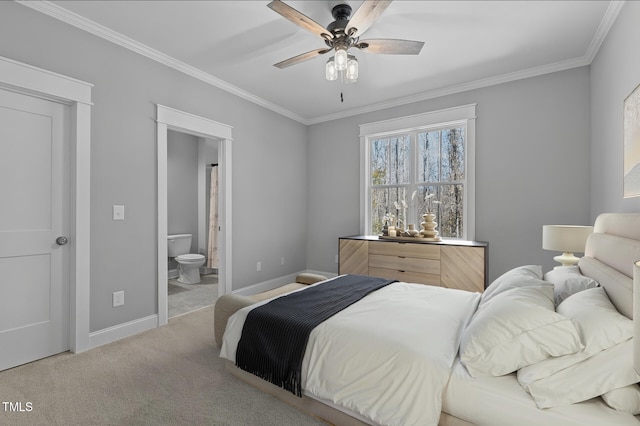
(118,212)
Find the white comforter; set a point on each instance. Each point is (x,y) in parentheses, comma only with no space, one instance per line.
(387,357)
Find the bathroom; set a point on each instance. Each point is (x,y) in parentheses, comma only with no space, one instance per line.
(193,281)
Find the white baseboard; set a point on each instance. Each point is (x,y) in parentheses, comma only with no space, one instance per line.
(120,331)
(277,282)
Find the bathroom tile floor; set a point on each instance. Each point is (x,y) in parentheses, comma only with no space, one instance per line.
(185,298)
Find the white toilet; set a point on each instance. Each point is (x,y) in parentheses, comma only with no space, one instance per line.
(178,247)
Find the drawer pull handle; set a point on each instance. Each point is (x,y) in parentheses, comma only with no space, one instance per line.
(402,257)
(400,271)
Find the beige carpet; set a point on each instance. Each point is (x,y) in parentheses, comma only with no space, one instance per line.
(171,375)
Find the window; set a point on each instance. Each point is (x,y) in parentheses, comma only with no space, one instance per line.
(417,164)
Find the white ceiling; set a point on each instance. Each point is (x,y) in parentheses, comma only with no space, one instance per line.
(234,44)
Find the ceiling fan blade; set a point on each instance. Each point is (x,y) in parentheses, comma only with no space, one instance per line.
(301,58)
(368,13)
(299,19)
(391,46)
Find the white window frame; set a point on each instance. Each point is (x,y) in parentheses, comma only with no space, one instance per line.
(464,115)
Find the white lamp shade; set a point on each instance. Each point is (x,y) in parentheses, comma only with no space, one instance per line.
(565,238)
(341,59)
(331,73)
(636,316)
(352,69)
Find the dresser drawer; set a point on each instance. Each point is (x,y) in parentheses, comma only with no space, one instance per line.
(423,251)
(405,276)
(400,263)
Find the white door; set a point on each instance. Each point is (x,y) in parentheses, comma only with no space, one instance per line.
(34,212)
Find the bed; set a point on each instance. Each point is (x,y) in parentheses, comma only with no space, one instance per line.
(531,349)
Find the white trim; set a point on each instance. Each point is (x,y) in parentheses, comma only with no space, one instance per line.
(418,121)
(465,114)
(203,197)
(64,15)
(606,23)
(32,80)
(81,276)
(277,282)
(458,88)
(38,82)
(173,119)
(120,331)
(192,124)
(267,285)
(85,24)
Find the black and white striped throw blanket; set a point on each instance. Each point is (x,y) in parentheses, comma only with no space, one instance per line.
(275,335)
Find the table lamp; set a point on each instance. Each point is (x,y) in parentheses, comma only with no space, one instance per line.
(568,239)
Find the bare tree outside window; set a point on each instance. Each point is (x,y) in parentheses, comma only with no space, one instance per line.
(415,172)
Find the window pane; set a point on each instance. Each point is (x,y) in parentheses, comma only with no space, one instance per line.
(452,155)
(446,202)
(429,156)
(399,149)
(427,199)
(386,202)
(450,211)
(390,163)
(438,183)
(379,161)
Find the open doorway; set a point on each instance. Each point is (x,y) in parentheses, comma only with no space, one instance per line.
(192,222)
(169,119)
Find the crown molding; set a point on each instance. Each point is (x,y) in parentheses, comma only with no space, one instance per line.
(601,33)
(64,15)
(464,87)
(606,23)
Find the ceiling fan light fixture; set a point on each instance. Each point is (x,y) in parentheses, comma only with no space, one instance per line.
(351,72)
(330,71)
(341,58)
(342,34)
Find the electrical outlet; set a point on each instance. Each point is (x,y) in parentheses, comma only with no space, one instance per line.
(282,260)
(259,266)
(336,258)
(118,298)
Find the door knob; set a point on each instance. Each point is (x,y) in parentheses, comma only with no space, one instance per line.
(62,241)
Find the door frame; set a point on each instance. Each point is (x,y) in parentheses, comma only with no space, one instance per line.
(33,81)
(172,119)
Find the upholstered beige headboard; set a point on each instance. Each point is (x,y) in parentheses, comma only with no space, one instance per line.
(610,254)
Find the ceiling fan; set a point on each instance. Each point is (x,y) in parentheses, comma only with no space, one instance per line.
(344,33)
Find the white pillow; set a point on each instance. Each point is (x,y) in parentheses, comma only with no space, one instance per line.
(599,324)
(603,372)
(514,329)
(567,281)
(523,276)
(625,399)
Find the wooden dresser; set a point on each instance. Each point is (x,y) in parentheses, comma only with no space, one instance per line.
(449,263)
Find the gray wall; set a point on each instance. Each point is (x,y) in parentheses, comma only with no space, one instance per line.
(532,168)
(534,164)
(182,186)
(615,72)
(269,159)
